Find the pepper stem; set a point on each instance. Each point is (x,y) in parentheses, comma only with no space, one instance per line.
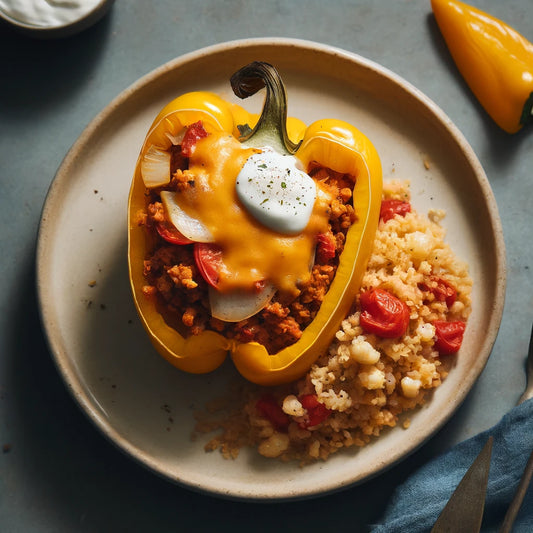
(271,128)
(527,111)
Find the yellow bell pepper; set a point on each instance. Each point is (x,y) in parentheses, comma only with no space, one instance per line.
(331,143)
(494,59)
(337,145)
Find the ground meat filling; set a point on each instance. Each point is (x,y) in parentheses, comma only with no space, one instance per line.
(181,293)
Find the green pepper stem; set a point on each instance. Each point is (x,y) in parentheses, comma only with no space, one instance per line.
(271,128)
(527,111)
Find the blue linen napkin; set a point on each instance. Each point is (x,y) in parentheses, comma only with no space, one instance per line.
(416,504)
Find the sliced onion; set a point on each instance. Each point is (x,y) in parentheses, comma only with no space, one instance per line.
(188,226)
(155,167)
(238,305)
(176,139)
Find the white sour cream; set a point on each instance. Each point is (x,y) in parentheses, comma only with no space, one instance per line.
(47,13)
(276,192)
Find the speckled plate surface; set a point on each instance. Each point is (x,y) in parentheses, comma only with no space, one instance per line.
(140,402)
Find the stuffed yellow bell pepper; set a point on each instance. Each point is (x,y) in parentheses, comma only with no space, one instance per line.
(494,59)
(230,233)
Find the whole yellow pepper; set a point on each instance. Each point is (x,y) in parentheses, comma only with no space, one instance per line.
(494,59)
(333,144)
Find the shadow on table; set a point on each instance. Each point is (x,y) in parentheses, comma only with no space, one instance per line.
(40,73)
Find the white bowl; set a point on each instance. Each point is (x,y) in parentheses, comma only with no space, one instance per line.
(49,28)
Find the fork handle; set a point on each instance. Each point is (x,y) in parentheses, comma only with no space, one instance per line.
(528,393)
(510,516)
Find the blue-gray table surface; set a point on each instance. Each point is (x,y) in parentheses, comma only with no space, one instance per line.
(57,472)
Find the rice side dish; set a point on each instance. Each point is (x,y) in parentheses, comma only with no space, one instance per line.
(366,380)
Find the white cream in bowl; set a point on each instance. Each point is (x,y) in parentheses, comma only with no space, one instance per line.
(53,15)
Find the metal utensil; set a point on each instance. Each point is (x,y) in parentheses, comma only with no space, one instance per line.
(528,393)
(510,516)
(464,510)
(521,490)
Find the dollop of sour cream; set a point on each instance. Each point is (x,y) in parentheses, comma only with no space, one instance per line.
(47,13)
(276,192)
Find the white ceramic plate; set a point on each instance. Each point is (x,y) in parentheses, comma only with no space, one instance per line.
(138,400)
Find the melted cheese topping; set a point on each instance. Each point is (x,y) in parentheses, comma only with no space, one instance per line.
(251,251)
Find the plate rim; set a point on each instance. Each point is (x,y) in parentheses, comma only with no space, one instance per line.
(65,366)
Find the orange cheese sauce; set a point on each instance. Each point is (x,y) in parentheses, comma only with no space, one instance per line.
(251,252)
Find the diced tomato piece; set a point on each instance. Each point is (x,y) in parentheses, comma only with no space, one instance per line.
(325,249)
(269,408)
(193,134)
(208,258)
(448,336)
(390,208)
(383,314)
(171,234)
(316,412)
(443,290)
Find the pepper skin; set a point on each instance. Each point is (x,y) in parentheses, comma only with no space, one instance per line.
(333,144)
(337,145)
(494,59)
(197,353)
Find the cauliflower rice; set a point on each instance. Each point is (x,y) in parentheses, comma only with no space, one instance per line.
(364,383)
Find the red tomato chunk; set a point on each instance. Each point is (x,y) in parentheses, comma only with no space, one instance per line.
(441,289)
(383,314)
(193,134)
(390,208)
(325,249)
(269,408)
(316,412)
(170,234)
(449,336)
(208,258)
